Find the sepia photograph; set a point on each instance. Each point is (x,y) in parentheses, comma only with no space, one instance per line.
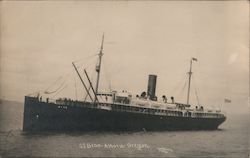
(124,79)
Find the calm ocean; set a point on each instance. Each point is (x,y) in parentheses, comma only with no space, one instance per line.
(231,140)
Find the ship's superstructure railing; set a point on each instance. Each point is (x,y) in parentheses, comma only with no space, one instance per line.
(177,112)
(167,110)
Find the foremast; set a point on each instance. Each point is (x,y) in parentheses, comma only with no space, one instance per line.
(98,68)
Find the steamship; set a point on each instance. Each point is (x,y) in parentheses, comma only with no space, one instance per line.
(117,110)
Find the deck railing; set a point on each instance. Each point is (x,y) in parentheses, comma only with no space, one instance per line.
(136,109)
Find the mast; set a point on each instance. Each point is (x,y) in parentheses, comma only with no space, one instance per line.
(189,78)
(98,68)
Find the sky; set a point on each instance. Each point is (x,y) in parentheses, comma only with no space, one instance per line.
(40,39)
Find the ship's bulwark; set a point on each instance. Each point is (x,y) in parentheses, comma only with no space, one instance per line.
(41,116)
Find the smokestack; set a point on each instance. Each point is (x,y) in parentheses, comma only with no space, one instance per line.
(152,86)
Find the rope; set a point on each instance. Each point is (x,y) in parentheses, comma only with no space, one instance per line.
(61,85)
(87,58)
(196,93)
(59,91)
(87,64)
(65,75)
(50,92)
(180,82)
(178,89)
(184,86)
(54,83)
(107,76)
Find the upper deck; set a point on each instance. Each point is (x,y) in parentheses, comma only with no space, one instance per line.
(136,106)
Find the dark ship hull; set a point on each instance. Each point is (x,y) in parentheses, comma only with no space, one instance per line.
(44,116)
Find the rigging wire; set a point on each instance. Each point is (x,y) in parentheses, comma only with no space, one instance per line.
(54,83)
(179,89)
(62,77)
(50,92)
(86,58)
(89,62)
(59,91)
(183,88)
(196,92)
(177,86)
(86,66)
(107,76)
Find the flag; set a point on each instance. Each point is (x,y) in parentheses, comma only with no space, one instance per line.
(227,101)
(194,59)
